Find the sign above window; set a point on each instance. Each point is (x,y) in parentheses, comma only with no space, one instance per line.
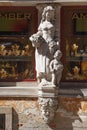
(16,20)
(80,23)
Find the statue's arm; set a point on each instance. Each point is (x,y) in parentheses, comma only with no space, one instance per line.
(40,32)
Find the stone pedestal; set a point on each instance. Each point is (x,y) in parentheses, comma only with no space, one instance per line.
(48,102)
(48,91)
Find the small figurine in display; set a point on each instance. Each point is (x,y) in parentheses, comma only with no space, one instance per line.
(25,73)
(7,65)
(75,48)
(27,48)
(76,70)
(26,51)
(3,74)
(22,52)
(3,50)
(13,71)
(9,52)
(13,50)
(17,51)
(56,68)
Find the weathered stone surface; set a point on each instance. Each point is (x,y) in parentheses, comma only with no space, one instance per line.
(8,116)
(71,114)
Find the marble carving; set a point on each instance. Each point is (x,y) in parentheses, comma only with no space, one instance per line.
(48,65)
(46,47)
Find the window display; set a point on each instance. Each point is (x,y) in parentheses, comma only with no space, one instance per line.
(76,61)
(17,62)
(74,42)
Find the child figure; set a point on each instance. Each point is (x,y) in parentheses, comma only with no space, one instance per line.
(56,68)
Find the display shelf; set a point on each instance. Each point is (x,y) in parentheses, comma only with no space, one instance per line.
(74,58)
(15,58)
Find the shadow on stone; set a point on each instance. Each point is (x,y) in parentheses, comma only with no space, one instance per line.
(69,115)
(15,120)
(62,122)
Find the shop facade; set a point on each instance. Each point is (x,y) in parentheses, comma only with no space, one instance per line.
(20,98)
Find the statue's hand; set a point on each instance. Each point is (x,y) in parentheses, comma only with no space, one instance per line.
(35,40)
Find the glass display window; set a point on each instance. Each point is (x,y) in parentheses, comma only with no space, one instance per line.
(17,59)
(74,42)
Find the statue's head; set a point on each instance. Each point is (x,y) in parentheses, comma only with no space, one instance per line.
(58,54)
(49,10)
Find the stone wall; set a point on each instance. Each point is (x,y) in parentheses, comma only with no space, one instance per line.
(71,114)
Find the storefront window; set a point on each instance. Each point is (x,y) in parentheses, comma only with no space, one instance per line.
(74,42)
(16,52)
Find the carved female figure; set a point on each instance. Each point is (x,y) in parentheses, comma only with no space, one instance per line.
(44,42)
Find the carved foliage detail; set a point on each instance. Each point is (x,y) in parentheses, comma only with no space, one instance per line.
(48,107)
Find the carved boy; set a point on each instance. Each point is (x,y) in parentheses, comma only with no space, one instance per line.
(56,68)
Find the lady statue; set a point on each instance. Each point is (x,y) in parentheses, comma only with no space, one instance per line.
(45,44)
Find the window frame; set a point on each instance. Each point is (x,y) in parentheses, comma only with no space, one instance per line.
(68,83)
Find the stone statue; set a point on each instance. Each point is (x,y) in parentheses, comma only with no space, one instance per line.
(48,65)
(56,68)
(45,46)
